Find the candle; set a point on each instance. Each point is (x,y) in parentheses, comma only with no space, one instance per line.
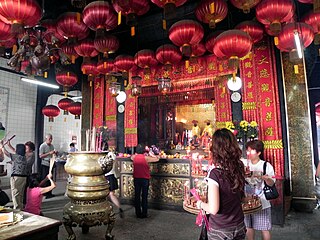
(100,142)
(87,139)
(93,140)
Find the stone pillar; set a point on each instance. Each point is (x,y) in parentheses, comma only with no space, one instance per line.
(299,134)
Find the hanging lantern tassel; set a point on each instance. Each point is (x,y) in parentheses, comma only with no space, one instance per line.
(68,74)
(212,8)
(73,59)
(45,74)
(220,68)
(164,24)
(14,49)
(133,31)
(187,64)
(78,18)
(104,64)
(276,41)
(296,69)
(119,17)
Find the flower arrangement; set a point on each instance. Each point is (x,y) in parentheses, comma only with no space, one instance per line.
(243,129)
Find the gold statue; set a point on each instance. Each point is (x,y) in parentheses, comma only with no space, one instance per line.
(206,134)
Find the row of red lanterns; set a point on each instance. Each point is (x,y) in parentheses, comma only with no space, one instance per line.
(66,104)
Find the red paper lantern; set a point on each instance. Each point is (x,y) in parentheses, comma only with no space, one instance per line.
(9,43)
(71,26)
(69,50)
(168,55)
(145,58)
(275,12)
(232,44)
(107,44)
(245,5)
(124,63)
(86,48)
(210,40)
(254,29)
(51,112)
(198,50)
(51,34)
(99,16)
(64,104)
(306,1)
(169,6)
(286,37)
(66,79)
(131,9)
(186,33)
(90,69)
(105,66)
(211,11)
(20,13)
(5,31)
(313,19)
(75,109)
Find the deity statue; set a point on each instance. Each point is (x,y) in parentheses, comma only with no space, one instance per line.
(196,131)
(206,134)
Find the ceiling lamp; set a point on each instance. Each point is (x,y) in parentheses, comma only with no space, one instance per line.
(64,104)
(232,44)
(99,16)
(86,49)
(234,83)
(136,88)
(107,44)
(169,7)
(186,33)
(66,79)
(313,20)
(168,55)
(275,12)
(254,29)
(294,38)
(71,27)
(245,5)
(75,109)
(145,59)
(211,11)
(114,89)
(20,13)
(51,112)
(164,85)
(131,9)
(124,63)
(122,96)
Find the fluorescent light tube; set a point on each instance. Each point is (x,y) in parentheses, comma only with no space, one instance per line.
(34,81)
(298,44)
(76,98)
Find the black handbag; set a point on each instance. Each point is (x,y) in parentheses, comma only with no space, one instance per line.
(4,199)
(204,232)
(270,192)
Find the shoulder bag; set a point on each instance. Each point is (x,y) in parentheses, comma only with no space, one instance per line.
(270,192)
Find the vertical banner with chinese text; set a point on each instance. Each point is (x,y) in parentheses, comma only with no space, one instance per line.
(131,121)
(222,102)
(98,102)
(111,118)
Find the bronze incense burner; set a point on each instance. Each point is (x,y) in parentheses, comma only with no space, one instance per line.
(88,191)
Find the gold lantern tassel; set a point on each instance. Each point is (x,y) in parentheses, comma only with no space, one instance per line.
(90,83)
(14,49)
(276,41)
(45,74)
(104,64)
(164,24)
(187,64)
(125,82)
(296,69)
(211,8)
(65,94)
(133,31)
(83,70)
(220,68)
(119,17)
(78,18)
(73,59)
(68,74)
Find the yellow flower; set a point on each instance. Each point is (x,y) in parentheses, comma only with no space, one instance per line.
(244,124)
(229,125)
(254,124)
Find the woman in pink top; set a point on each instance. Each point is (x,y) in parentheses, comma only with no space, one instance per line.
(35,193)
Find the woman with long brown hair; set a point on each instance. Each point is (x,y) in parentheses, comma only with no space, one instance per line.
(225,188)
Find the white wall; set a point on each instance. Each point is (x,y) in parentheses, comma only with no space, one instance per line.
(63,127)
(21,108)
